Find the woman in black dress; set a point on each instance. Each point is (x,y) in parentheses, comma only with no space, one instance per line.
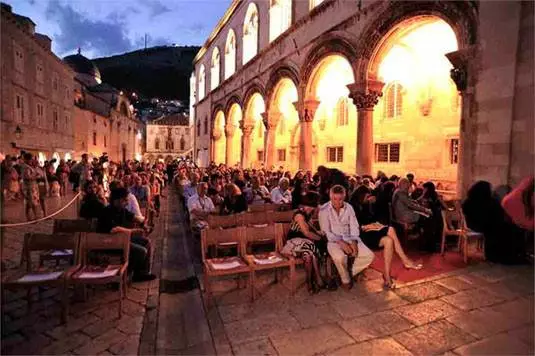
(376,235)
(305,242)
(434,225)
(234,201)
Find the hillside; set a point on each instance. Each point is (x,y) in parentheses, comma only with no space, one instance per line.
(162,72)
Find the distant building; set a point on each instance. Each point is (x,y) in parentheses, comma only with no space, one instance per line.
(103,115)
(168,138)
(36,92)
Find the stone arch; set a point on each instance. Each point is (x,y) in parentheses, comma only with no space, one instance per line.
(327,44)
(234,99)
(252,89)
(215,110)
(282,71)
(460,15)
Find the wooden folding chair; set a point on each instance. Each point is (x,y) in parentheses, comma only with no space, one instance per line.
(57,276)
(92,274)
(403,229)
(257,208)
(272,260)
(213,266)
(281,216)
(259,218)
(463,233)
(225,221)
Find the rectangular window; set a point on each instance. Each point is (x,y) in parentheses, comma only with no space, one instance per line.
(281,154)
(19,58)
(454,151)
(39,75)
(19,108)
(260,155)
(55,81)
(55,118)
(94,138)
(66,124)
(40,112)
(335,154)
(387,152)
(105,141)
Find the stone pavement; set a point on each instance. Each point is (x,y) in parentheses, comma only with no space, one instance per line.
(482,310)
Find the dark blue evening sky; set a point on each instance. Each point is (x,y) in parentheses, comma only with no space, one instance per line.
(107,27)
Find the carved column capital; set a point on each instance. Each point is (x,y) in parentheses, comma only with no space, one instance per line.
(271,119)
(366,95)
(307,109)
(463,63)
(229,130)
(246,127)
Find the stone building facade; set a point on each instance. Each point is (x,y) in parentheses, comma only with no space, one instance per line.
(103,116)
(440,88)
(169,137)
(36,94)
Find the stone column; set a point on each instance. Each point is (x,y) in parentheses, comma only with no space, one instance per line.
(229,134)
(306,117)
(270,121)
(247,129)
(216,135)
(365,96)
(463,75)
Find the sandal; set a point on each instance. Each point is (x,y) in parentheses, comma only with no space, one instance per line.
(415,266)
(390,284)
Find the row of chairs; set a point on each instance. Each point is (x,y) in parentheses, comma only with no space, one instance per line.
(269,207)
(73,253)
(244,239)
(250,218)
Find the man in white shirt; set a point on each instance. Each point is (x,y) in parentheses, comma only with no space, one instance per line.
(199,207)
(339,223)
(281,194)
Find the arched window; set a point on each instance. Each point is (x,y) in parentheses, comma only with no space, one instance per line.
(201,82)
(205,125)
(182,143)
(342,112)
(250,33)
(214,71)
(393,100)
(280,17)
(157,143)
(230,54)
(314,3)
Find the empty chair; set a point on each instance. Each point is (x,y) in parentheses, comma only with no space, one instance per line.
(225,221)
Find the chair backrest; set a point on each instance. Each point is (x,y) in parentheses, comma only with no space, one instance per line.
(257,208)
(258,218)
(47,242)
(270,207)
(221,238)
(281,216)
(263,234)
(285,231)
(74,225)
(225,221)
(92,241)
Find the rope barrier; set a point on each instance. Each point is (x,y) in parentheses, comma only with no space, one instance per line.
(43,218)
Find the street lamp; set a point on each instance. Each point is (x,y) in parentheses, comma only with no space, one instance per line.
(18,132)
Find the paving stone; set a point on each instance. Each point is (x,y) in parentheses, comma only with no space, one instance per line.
(524,334)
(308,316)
(131,325)
(426,312)
(433,338)
(257,347)
(66,344)
(136,295)
(519,309)
(375,325)
(484,322)
(502,344)
(33,345)
(257,328)
(100,327)
(132,308)
(311,341)
(354,307)
(11,342)
(129,346)
(234,312)
(377,347)
(456,283)
(420,292)
(73,325)
(501,290)
(101,343)
(492,274)
(471,299)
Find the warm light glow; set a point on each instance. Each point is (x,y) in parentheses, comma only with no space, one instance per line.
(250,33)
(330,79)
(139,157)
(41,158)
(68,156)
(139,135)
(418,58)
(280,17)
(220,142)
(214,70)
(230,54)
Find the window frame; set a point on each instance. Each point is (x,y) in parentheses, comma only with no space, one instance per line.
(388,146)
(337,152)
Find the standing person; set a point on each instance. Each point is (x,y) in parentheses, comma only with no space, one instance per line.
(62,172)
(156,192)
(82,171)
(299,189)
(339,223)
(29,185)
(42,184)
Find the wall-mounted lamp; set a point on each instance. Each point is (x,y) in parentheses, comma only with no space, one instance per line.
(18,132)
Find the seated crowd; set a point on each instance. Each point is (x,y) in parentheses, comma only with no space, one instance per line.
(356,215)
